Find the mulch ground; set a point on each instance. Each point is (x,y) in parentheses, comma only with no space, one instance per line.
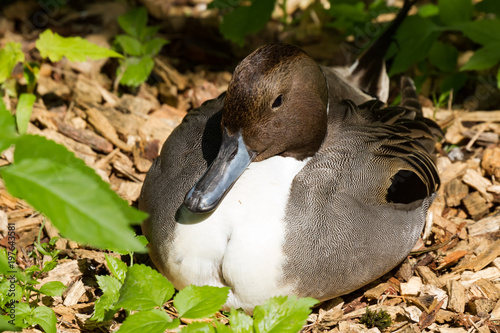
(450,282)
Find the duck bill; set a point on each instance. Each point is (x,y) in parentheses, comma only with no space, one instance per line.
(230,163)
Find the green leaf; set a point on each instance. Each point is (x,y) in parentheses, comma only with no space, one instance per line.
(221,328)
(46,318)
(105,305)
(117,267)
(346,15)
(240,322)
(455,11)
(54,47)
(199,302)
(136,70)
(428,10)
(10,55)
(498,79)
(482,32)
(31,73)
(150,321)
(130,45)
(53,288)
(454,81)
(443,56)
(484,58)
(245,20)
(78,202)
(23,111)
(144,289)
(282,314)
(488,6)
(415,38)
(197,327)
(6,326)
(23,316)
(153,47)
(134,22)
(8,134)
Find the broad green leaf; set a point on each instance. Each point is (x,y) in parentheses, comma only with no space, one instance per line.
(482,32)
(6,326)
(415,38)
(428,10)
(53,288)
(136,70)
(455,11)
(488,6)
(8,134)
(454,81)
(443,56)
(10,290)
(54,46)
(484,58)
(117,267)
(221,328)
(72,195)
(46,318)
(144,289)
(105,305)
(134,22)
(153,47)
(197,327)
(282,314)
(498,79)
(23,111)
(10,55)
(199,302)
(31,73)
(347,15)
(24,315)
(149,321)
(223,4)
(245,20)
(240,322)
(4,262)
(130,45)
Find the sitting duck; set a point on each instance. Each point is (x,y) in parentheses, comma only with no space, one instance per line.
(293,182)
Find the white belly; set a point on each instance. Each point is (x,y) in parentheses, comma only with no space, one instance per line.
(240,244)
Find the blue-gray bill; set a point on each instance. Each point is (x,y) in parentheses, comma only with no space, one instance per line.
(230,163)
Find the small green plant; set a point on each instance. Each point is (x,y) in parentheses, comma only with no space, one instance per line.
(139,47)
(380,319)
(142,289)
(50,178)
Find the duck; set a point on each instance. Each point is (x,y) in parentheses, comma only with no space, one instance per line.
(295,181)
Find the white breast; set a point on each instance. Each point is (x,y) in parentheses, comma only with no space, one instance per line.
(240,244)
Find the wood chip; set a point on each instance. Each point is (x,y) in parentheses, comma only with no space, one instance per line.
(491,162)
(104,127)
(455,191)
(486,225)
(428,276)
(456,301)
(475,180)
(482,260)
(476,205)
(74,293)
(491,273)
(412,287)
(87,137)
(66,272)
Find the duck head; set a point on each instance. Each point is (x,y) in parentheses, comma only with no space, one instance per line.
(276,104)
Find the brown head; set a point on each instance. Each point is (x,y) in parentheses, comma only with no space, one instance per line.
(276,104)
(277,98)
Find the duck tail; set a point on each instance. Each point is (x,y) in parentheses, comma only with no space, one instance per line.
(409,96)
(369,71)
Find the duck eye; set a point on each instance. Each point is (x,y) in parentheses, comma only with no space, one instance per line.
(278,101)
